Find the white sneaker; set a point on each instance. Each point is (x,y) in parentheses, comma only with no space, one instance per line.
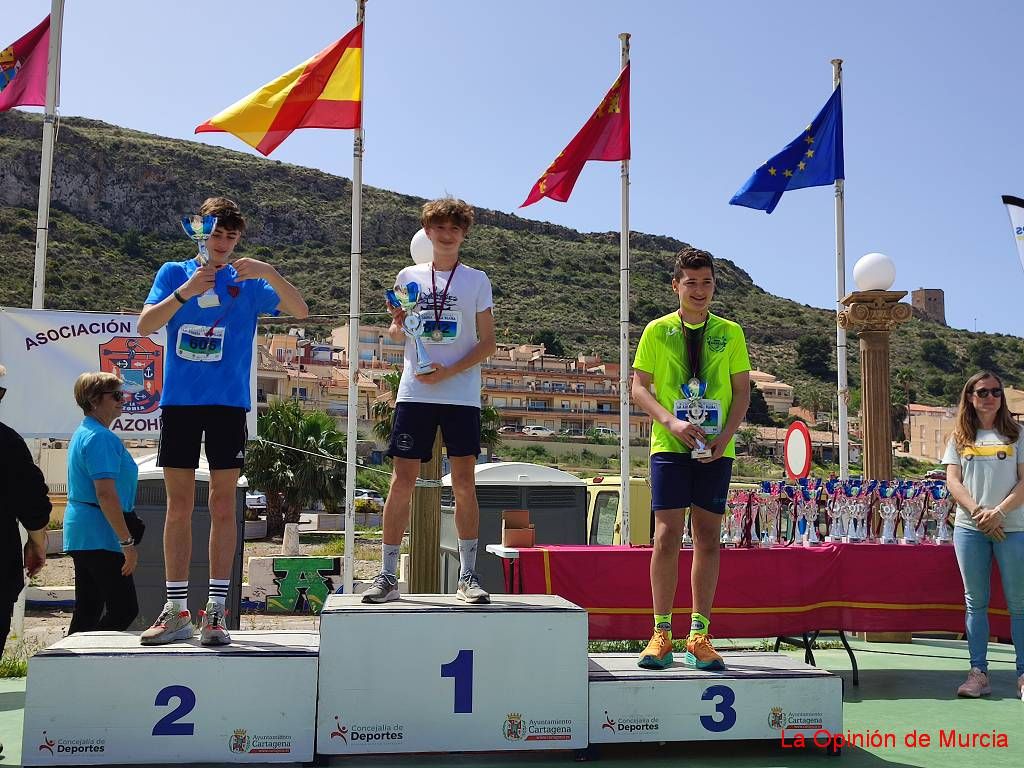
(1020,687)
(211,626)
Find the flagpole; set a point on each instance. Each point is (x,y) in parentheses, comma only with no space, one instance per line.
(624,330)
(353,328)
(46,161)
(842,391)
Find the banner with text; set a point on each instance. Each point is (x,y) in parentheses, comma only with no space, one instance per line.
(44,351)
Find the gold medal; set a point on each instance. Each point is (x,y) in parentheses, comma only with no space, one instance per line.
(436,335)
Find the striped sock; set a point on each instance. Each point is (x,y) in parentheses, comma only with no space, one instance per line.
(177,593)
(219,591)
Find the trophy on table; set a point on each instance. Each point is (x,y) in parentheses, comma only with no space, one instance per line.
(855,502)
(693,392)
(199,229)
(738,502)
(940,504)
(837,512)
(808,500)
(888,510)
(912,512)
(769,507)
(412,325)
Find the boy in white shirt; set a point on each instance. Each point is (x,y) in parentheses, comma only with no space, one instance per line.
(458,333)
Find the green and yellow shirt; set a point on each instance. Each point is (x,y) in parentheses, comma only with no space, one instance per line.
(662,354)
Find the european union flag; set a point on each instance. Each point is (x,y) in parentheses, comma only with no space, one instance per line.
(812,159)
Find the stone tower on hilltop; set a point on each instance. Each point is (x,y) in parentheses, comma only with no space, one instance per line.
(930,302)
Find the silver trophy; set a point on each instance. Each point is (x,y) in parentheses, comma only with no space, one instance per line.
(199,229)
(912,514)
(837,513)
(940,504)
(412,325)
(737,504)
(857,504)
(808,501)
(687,542)
(769,509)
(888,511)
(693,390)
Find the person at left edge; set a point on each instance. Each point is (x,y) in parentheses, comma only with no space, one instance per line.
(206,390)
(102,478)
(23,499)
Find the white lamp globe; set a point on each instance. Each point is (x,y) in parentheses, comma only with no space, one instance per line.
(421,248)
(874,272)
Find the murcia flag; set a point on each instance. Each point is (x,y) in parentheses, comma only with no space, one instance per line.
(23,67)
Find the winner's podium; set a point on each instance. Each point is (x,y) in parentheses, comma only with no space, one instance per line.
(101,698)
(429,673)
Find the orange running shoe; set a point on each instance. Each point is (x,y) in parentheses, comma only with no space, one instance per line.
(700,654)
(658,653)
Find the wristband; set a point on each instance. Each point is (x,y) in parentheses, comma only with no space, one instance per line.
(181,299)
(129,542)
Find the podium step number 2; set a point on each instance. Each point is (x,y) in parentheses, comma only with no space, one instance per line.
(100,698)
(431,674)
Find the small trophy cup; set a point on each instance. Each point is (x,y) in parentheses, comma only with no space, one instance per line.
(809,512)
(738,508)
(940,513)
(910,513)
(199,228)
(888,511)
(769,509)
(412,325)
(693,391)
(687,542)
(836,516)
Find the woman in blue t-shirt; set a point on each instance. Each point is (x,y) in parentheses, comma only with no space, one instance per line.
(102,477)
(985,474)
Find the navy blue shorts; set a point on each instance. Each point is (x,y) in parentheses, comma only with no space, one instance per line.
(415,426)
(679,481)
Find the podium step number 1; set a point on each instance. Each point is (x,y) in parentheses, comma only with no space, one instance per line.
(431,674)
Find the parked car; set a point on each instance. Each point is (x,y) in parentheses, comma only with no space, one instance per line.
(535,430)
(605,432)
(508,430)
(935,474)
(572,432)
(255,500)
(371,496)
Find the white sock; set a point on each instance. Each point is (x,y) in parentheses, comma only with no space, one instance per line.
(467,556)
(177,593)
(219,591)
(389,558)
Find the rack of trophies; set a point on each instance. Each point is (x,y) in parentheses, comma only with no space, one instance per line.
(850,511)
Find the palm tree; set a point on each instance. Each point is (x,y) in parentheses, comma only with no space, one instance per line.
(296,459)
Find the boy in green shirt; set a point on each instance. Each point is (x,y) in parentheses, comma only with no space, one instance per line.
(698,365)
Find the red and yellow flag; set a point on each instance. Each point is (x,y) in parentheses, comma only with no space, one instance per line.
(604,137)
(323,92)
(23,66)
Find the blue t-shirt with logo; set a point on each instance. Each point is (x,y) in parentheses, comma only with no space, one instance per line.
(96,453)
(209,350)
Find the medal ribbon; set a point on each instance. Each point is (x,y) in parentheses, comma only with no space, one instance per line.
(694,347)
(439,307)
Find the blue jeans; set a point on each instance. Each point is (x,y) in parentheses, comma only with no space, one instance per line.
(974,552)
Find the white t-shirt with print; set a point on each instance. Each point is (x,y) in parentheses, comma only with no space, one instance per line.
(989,471)
(469,293)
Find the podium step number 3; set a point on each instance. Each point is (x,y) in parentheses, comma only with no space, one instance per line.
(248,702)
(431,674)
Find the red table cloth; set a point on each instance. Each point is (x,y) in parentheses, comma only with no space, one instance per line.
(768,592)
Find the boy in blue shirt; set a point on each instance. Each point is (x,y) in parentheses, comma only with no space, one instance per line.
(206,390)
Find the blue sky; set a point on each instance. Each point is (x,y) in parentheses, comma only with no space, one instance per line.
(475,98)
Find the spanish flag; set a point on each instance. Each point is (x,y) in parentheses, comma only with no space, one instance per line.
(323,92)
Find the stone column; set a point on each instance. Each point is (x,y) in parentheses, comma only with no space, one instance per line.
(873,315)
